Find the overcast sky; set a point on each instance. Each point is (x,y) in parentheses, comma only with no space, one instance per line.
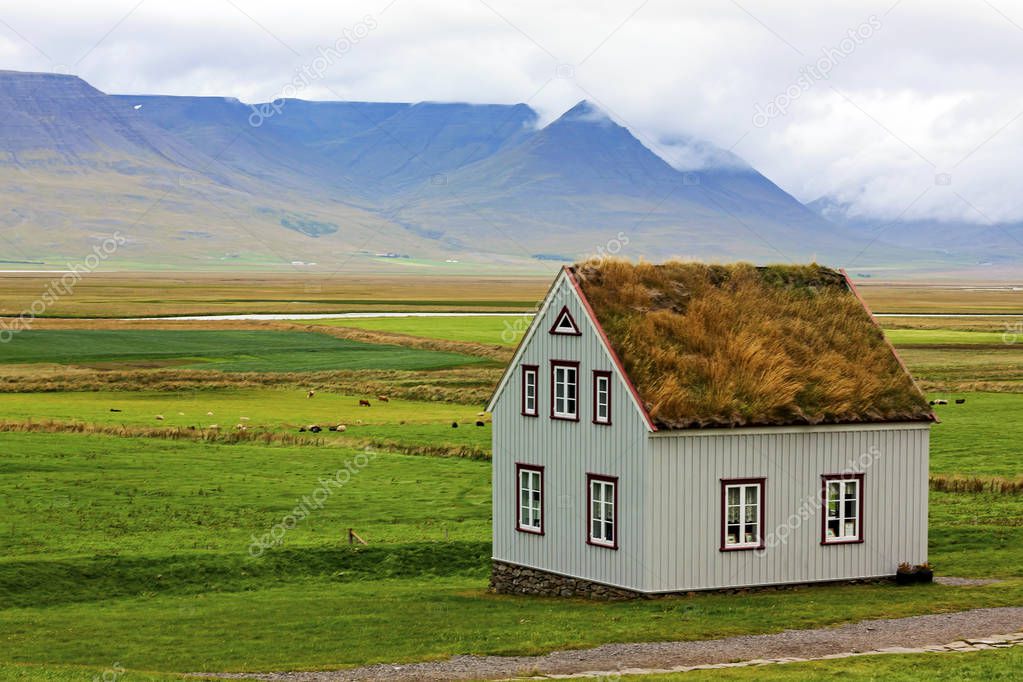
(910,108)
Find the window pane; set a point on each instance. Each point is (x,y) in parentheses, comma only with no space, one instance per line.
(850,509)
(751,514)
(732,535)
(733,495)
(834,491)
(733,515)
(850,529)
(752,492)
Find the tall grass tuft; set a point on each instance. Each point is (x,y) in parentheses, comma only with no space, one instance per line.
(957,483)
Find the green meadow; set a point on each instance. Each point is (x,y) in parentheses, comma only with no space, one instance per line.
(503,330)
(222,350)
(151,557)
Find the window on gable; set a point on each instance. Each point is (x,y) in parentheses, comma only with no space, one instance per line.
(530,374)
(843,508)
(564,390)
(742,509)
(601,397)
(564,323)
(602,497)
(530,498)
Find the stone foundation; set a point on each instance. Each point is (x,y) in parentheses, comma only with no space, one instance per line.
(508,578)
(512,579)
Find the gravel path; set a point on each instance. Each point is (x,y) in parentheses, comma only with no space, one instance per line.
(915,632)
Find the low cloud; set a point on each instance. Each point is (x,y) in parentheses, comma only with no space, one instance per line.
(932,90)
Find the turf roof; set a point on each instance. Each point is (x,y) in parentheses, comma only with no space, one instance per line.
(739,345)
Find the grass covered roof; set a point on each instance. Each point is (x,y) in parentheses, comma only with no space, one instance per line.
(739,345)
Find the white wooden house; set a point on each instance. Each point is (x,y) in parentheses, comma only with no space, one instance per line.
(678,427)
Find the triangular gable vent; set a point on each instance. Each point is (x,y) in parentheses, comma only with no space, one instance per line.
(565,324)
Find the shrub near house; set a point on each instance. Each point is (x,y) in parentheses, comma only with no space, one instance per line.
(681,427)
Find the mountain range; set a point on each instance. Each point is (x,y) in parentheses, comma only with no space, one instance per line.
(214,183)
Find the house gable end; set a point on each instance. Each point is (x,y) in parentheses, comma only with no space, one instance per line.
(563,299)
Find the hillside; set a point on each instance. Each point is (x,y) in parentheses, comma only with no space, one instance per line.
(212,183)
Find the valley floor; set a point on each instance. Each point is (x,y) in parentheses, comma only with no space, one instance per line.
(137,539)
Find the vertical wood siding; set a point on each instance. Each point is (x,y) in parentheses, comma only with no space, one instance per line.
(685,527)
(570,450)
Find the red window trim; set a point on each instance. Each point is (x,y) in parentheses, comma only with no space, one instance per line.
(725,482)
(590,477)
(824,508)
(566,363)
(536,393)
(597,373)
(565,313)
(519,467)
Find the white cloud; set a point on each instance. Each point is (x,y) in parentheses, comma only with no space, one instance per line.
(917,98)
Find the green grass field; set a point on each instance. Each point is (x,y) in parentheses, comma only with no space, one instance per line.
(503,330)
(137,554)
(106,561)
(224,350)
(934,337)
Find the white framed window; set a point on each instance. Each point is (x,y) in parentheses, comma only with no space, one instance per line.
(530,498)
(601,397)
(564,323)
(843,508)
(742,513)
(530,374)
(564,390)
(602,504)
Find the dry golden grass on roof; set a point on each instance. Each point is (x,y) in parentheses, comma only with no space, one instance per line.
(738,345)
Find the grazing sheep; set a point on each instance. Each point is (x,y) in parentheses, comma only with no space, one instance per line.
(159,417)
(301,429)
(310,394)
(213,426)
(364,403)
(941,402)
(244,419)
(341,427)
(960,401)
(209,414)
(240,427)
(383,399)
(114,409)
(479,423)
(315,429)
(454,425)
(481,414)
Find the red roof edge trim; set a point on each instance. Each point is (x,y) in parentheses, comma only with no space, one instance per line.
(898,358)
(607,344)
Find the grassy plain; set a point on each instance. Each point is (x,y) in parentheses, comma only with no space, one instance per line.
(140,552)
(134,554)
(159,294)
(227,351)
(504,330)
